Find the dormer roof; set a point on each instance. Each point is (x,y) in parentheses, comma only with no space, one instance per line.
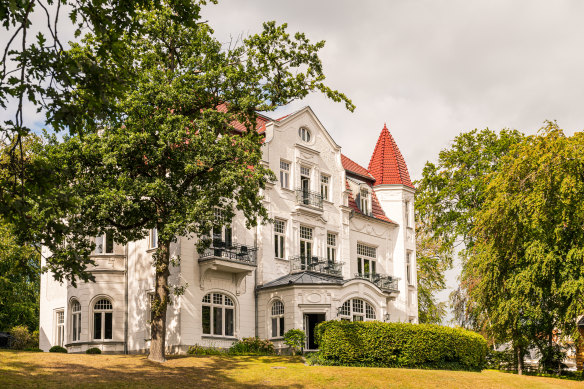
(387,164)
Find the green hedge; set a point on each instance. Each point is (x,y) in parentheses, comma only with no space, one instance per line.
(399,345)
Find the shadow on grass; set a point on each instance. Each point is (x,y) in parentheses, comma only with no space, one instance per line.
(18,370)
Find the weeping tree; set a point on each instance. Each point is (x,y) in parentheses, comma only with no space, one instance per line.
(178,142)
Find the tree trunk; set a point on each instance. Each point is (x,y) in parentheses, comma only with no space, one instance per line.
(519,360)
(161,260)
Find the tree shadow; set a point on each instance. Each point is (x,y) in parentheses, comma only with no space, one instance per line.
(136,371)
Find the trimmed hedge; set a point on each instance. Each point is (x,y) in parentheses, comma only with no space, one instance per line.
(93,350)
(58,349)
(399,345)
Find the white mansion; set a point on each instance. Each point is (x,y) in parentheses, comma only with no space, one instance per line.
(341,247)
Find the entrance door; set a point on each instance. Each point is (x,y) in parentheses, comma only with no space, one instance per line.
(310,322)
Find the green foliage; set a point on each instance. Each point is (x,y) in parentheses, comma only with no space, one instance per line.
(448,196)
(19,282)
(399,345)
(294,339)
(200,350)
(93,350)
(527,265)
(500,360)
(162,150)
(21,338)
(252,346)
(58,349)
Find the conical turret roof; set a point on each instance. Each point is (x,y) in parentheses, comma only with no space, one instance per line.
(387,164)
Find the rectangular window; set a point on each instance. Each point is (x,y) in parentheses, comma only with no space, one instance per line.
(364,196)
(206,320)
(217,321)
(229,320)
(275,327)
(366,264)
(324,187)
(60,328)
(76,319)
(407,214)
(97,325)
(279,238)
(153,238)
(305,184)
(305,247)
(109,242)
(409,267)
(284,174)
(108,325)
(331,247)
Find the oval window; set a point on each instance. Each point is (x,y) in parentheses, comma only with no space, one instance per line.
(304,134)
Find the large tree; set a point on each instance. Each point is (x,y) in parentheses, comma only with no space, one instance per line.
(528,256)
(176,145)
(448,196)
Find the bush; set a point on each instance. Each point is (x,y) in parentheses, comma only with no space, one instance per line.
(93,350)
(21,337)
(200,350)
(294,339)
(58,349)
(399,345)
(34,340)
(252,346)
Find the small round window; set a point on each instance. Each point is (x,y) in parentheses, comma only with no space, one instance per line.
(304,134)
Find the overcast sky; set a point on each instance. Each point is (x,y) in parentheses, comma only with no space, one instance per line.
(429,69)
(432,69)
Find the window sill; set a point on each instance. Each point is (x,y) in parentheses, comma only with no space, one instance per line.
(282,259)
(151,249)
(287,189)
(277,339)
(218,337)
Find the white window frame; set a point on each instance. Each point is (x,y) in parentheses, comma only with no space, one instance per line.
(331,246)
(102,311)
(60,327)
(365,201)
(366,255)
(357,310)
(304,134)
(277,321)
(306,239)
(153,238)
(75,321)
(285,174)
(280,239)
(325,185)
(212,303)
(101,243)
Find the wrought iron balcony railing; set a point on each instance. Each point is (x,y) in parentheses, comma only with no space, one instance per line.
(383,282)
(306,197)
(231,252)
(315,264)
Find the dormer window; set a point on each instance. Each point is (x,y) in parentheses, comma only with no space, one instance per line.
(365,201)
(304,134)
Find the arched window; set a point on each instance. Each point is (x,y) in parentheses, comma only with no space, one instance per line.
(277,319)
(357,310)
(75,321)
(218,315)
(102,319)
(304,134)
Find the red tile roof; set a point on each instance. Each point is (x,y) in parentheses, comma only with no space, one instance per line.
(355,168)
(387,164)
(376,210)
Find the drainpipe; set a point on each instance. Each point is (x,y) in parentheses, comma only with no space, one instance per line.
(256,282)
(126,301)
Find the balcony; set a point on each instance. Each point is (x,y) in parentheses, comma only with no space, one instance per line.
(237,259)
(315,264)
(383,282)
(309,199)
(232,252)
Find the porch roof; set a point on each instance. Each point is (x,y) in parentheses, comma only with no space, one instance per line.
(304,278)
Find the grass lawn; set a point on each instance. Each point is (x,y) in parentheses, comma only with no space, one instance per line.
(51,370)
